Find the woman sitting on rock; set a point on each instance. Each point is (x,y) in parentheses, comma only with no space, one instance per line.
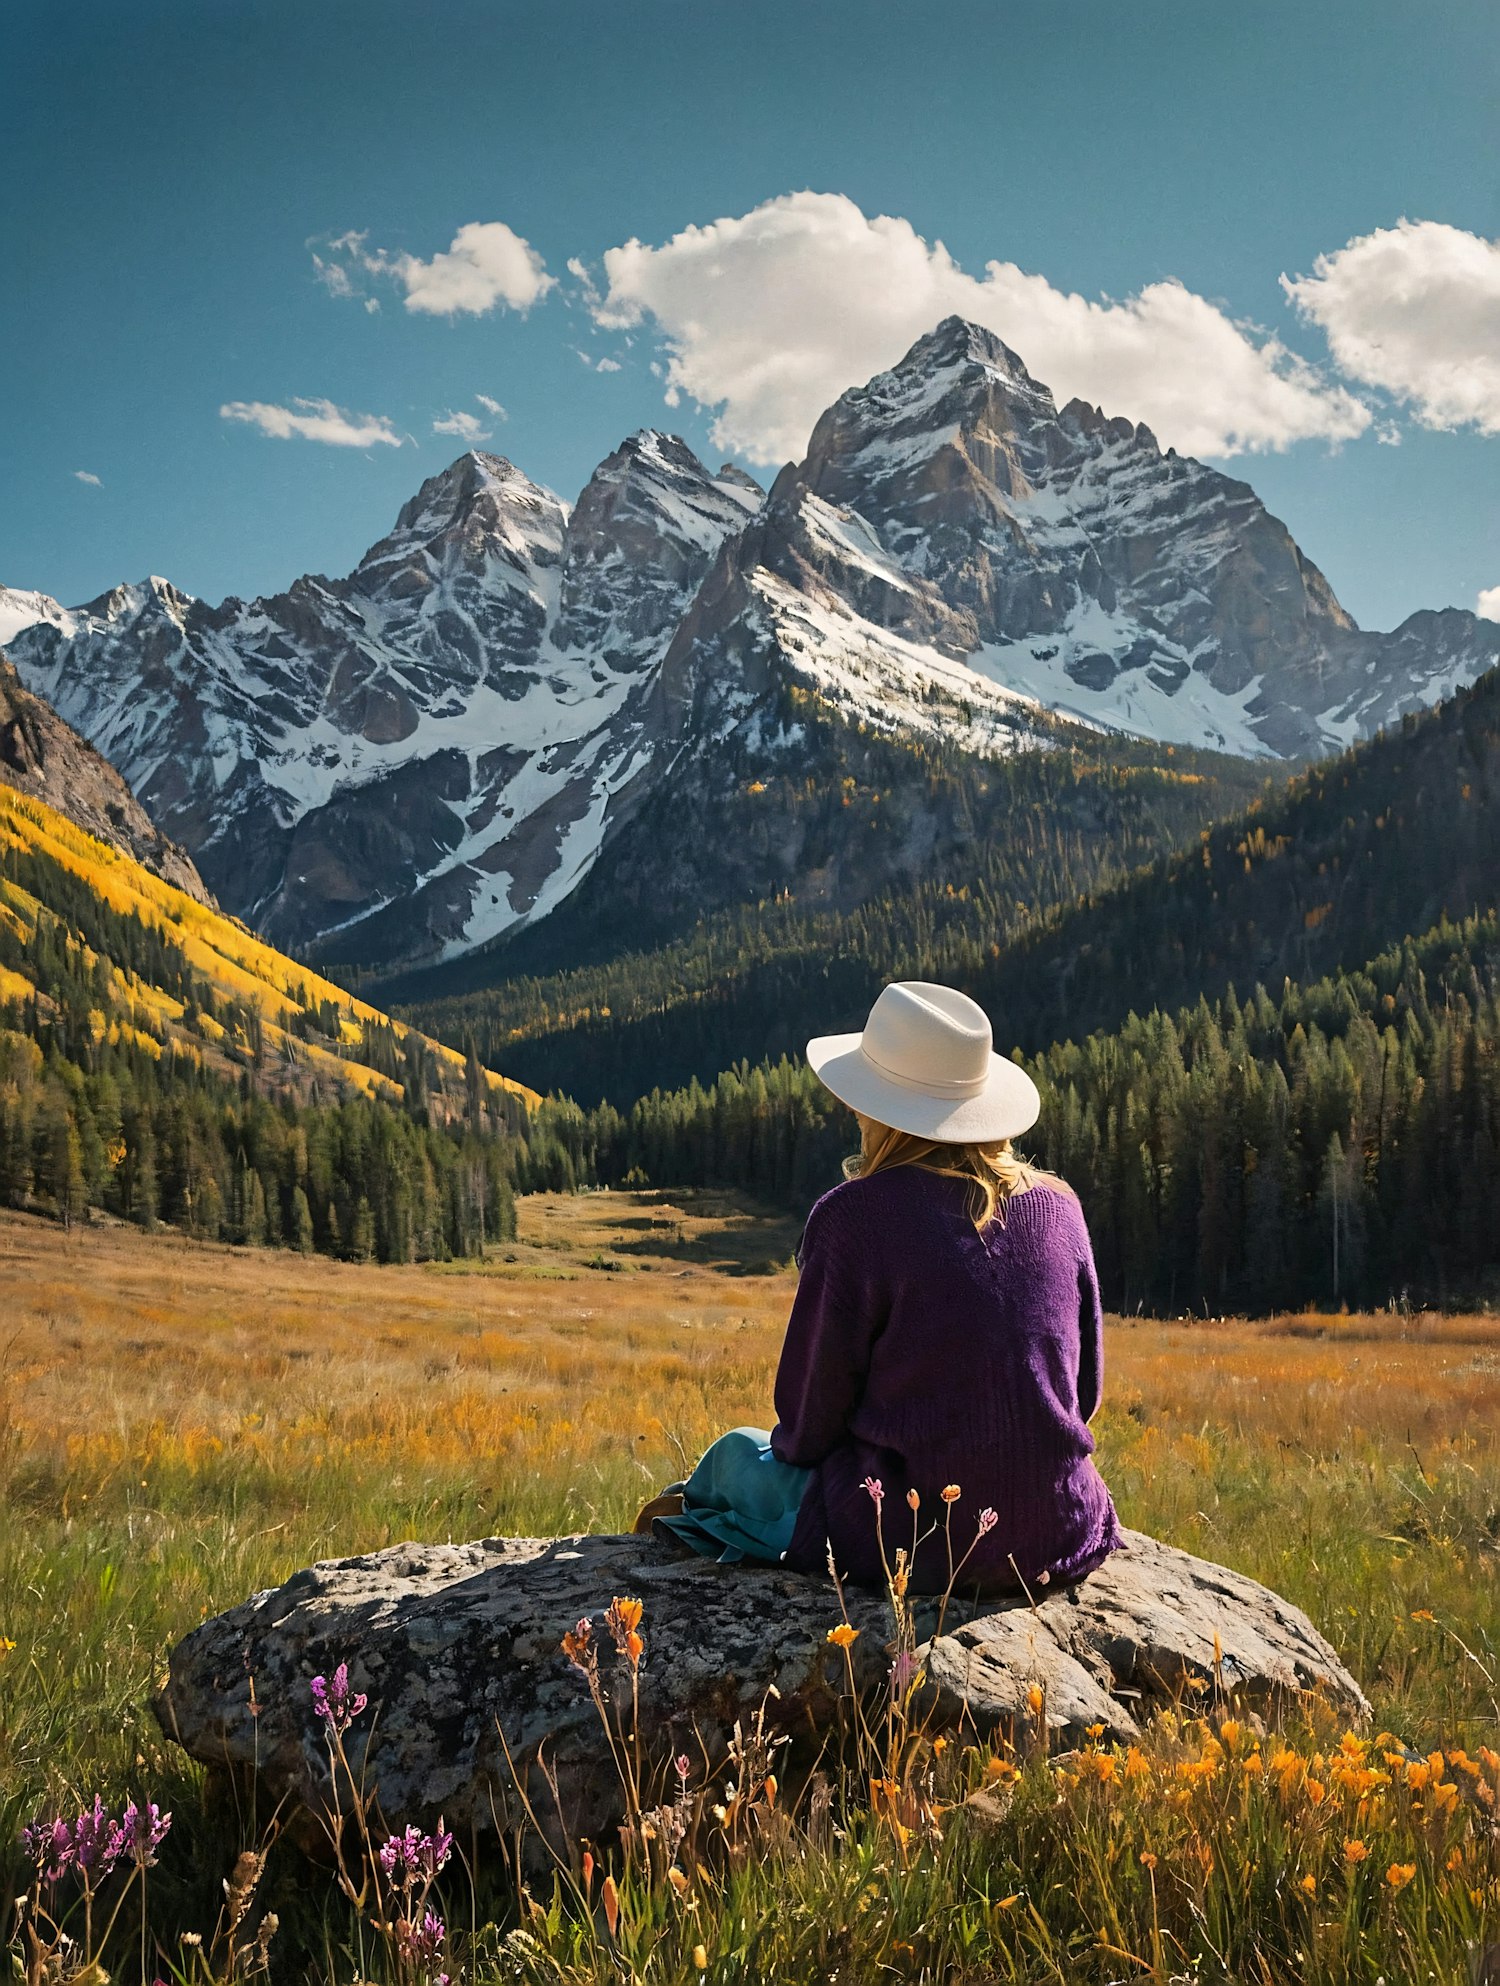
(946,1333)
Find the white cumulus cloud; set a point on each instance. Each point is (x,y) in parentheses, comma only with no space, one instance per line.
(491,407)
(486,264)
(1414,310)
(313,420)
(770,315)
(88,476)
(1487,606)
(468,427)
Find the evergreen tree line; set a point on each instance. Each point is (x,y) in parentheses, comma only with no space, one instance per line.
(1338,1144)
(163,1141)
(197,1125)
(1046,931)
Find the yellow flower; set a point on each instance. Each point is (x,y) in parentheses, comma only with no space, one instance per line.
(843,1636)
(1035,1698)
(914,1502)
(1229,1734)
(1308,1885)
(700,1958)
(628,1613)
(1148,1860)
(1424,1614)
(952,1493)
(1006,1902)
(6,1644)
(1002,1769)
(1354,1851)
(1399,1874)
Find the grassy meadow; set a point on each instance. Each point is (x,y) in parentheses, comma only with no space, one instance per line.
(181,1424)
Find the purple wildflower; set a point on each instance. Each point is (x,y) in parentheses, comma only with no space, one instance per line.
(144,1829)
(333,1701)
(404,1857)
(50,1846)
(874,1488)
(903,1668)
(684,1766)
(987,1520)
(98,1842)
(424,1941)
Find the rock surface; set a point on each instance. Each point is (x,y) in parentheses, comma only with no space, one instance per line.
(43,756)
(457,1647)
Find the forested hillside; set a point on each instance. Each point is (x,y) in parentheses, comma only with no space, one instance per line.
(1356,854)
(842,882)
(160,1063)
(1339,1142)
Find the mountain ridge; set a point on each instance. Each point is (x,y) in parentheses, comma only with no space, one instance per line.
(425,757)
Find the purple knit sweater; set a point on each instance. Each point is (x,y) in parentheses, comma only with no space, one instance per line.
(922,1353)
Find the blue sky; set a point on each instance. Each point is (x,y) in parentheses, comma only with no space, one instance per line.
(173,171)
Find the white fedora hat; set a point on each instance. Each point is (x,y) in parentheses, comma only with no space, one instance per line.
(926,1064)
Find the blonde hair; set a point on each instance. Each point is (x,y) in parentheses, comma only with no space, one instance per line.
(994,1172)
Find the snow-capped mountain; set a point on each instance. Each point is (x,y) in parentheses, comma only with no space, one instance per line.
(954,551)
(429,750)
(23,610)
(403,764)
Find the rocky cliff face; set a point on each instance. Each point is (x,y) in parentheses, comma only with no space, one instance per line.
(954,551)
(44,757)
(403,764)
(429,750)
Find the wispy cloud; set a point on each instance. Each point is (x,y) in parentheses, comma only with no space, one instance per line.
(88,476)
(468,427)
(491,407)
(768,316)
(486,265)
(1415,311)
(313,420)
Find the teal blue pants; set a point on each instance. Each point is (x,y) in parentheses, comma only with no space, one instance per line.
(740,1502)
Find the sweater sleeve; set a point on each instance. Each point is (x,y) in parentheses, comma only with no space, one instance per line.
(1090,1329)
(825,1359)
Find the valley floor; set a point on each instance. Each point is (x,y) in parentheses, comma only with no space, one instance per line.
(181,1425)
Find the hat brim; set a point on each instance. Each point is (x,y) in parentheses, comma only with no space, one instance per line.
(1008,1104)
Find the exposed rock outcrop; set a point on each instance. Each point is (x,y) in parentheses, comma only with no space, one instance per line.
(457,1648)
(43,756)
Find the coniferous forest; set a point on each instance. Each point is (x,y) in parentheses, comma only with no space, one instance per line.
(133,1084)
(1337,1144)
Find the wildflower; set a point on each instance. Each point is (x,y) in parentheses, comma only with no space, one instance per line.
(7,1646)
(903,1673)
(952,1493)
(1354,1853)
(577,1641)
(611,1900)
(1035,1699)
(1009,1902)
(683,1765)
(422,1942)
(843,1636)
(874,1489)
(678,1880)
(1000,1769)
(334,1702)
(404,1857)
(913,1501)
(1230,1732)
(588,1868)
(144,1830)
(700,1958)
(98,1842)
(1399,1874)
(987,1521)
(49,1844)
(1148,1860)
(1424,1614)
(1308,1885)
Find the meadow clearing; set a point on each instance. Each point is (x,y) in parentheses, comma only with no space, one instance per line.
(183,1424)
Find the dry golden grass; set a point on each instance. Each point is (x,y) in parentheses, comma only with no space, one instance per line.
(183,1424)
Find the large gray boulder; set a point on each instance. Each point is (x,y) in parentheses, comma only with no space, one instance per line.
(458,1649)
